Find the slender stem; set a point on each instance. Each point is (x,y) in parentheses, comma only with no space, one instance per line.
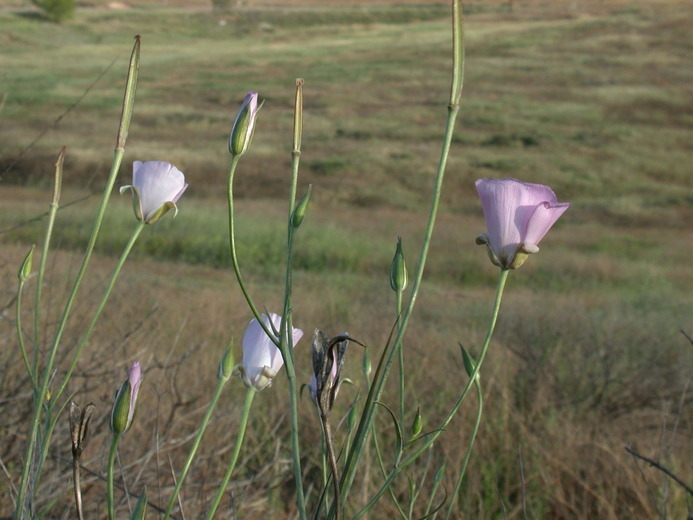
(286,346)
(400,355)
(470,446)
(51,418)
(126,114)
(99,309)
(36,419)
(44,258)
(356,452)
(186,467)
(250,393)
(78,487)
(234,257)
(379,384)
(327,432)
(430,439)
(20,338)
(109,475)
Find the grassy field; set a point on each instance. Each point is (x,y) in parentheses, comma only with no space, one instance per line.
(591,98)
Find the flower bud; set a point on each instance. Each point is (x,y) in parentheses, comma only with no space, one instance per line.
(25,268)
(140,511)
(417,425)
(226,364)
(469,364)
(398,269)
(244,126)
(126,401)
(366,364)
(300,209)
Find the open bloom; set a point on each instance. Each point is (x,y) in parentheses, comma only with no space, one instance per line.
(261,357)
(244,125)
(518,215)
(156,186)
(126,400)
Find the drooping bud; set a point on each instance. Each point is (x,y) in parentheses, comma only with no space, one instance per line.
(300,209)
(244,126)
(398,269)
(125,403)
(226,364)
(417,425)
(25,268)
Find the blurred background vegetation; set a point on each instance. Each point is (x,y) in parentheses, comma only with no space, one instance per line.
(590,97)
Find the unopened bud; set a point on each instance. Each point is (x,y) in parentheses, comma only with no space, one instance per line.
(226,364)
(25,268)
(244,126)
(300,209)
(126,401)
(366,364)
(417,425)
(398,269)
(469,364)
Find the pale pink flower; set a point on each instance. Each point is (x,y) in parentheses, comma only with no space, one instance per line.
(156,186)
(518,215)
(262,360)
(244,125)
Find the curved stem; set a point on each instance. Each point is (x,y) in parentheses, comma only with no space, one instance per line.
(470,447)
(434,436)
(20,339)
(196,444)
(109,476)
(378,384)
(234,257)
(250,393)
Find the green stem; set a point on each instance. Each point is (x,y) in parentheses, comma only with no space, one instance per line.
(470,447)
(121,138)
(99,309)
(186,467)
(234,257)
(250,393)
(53,210)
(430,439)
(20,338)
(51,420)
(400,355)
(36,419)
(109,476)
(286,346)
(379,384)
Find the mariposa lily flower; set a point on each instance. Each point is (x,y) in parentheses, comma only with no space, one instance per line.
(126,400)
(518,215)
(244,125)
(156,186)
(261,357)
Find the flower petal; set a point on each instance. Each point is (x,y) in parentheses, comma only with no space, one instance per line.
(540,221)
